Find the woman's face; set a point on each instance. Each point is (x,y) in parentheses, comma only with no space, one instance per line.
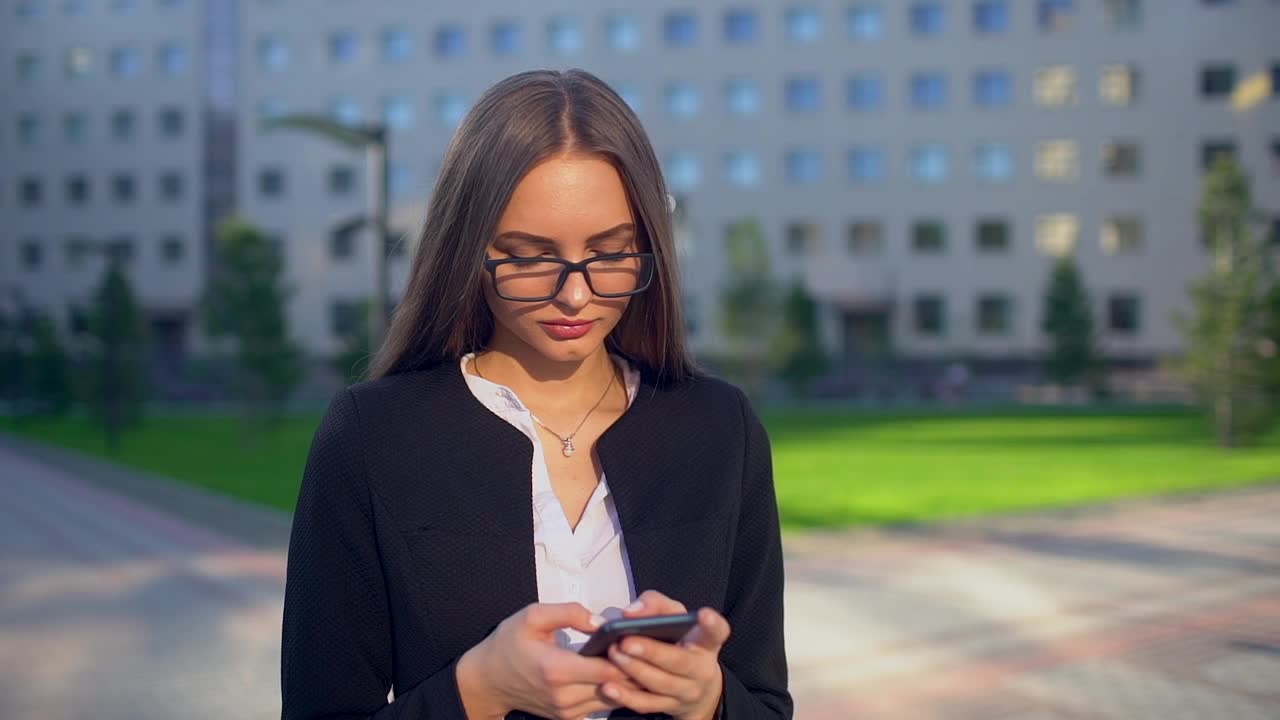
(571,207)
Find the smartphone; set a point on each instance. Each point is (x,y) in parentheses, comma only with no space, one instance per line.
(667,628)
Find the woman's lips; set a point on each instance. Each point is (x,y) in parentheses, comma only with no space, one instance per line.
(563,331)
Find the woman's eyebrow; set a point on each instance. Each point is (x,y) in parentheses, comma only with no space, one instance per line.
(612,232)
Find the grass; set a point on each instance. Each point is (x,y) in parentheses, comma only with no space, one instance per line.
(831,468)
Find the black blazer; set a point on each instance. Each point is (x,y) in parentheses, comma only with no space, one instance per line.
(413,538)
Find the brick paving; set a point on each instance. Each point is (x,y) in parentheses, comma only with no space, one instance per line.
(122,597)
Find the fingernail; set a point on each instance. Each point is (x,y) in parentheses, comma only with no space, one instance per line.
(636,649)
(637,605)
(596,621)
(611,691)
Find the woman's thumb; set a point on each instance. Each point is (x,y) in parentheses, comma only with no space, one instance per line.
(548,617)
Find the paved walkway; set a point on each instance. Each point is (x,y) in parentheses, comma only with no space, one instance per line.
(114,608)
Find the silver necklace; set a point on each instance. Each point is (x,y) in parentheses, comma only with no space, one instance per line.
(565,440)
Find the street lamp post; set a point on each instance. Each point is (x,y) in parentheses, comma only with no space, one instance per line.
(373,139)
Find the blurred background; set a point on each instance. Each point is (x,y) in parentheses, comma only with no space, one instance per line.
(1000,275)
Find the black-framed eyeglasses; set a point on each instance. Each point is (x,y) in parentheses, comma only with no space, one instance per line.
(541,278)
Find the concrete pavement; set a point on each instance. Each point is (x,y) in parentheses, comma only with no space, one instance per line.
(120,599)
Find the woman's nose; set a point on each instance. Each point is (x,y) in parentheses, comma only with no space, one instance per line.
(576,293)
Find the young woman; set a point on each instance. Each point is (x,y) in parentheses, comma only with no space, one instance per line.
(535,453)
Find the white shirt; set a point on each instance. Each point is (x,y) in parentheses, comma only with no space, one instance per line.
(587,564)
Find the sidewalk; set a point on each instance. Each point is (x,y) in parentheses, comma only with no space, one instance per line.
(123,596)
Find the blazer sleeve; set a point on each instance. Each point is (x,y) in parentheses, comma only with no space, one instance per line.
(336,644)
(754,660)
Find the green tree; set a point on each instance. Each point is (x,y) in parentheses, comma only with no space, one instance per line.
(246,301)
(50,370)
(1068,320)
(114,384)
(748,306)
(13,361)
(351,362)
(1226,333)
(799,355)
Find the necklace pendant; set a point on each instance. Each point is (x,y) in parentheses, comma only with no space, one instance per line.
(568,447)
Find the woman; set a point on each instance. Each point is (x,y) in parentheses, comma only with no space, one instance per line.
(535,453)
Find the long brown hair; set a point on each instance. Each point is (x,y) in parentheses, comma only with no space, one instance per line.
(517,123)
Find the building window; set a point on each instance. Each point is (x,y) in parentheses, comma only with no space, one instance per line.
(124,189)
(270,108)
(804,25)
(1121,236)
(273,53)
(1124,313)
(1054,15)
(1055,86)
(622,33)
(345,110)
(172,123)
(865,21)
(741,168)
(450,108)
(120,249)
(680,29)
(397,112)
(28,67)
(1121,159)
(684,172)
(172,60)
(1275,80)
(866,237)
(342,180)
(75,127)
(29,9)
(992,88)
(928,91)
(1118,85)
(400,180)
(742,96)
(929,314)
(28,129)
(991,17)
(1275,157)
(993,162)
(995,314)
(682,99)
(271,183)
(865,92)
(506,38)
(803,238)
(32,254)
(77,188)
(1211,150)
(76,249)
(803,94)
(741,26)
(1123,14)
(929,163)
(991,236)
(125,62)
(926,18)
(123,125)
(866,165)
(1056,234)
(172,249)
(450,42)
(804,166)
(123,6)
(564,36)
(342,47)
(78,62)
(397,45)
(344,317)
(172,185)
(928,237)
(1057,160)
(342,243)
(30,192)
(1217,81)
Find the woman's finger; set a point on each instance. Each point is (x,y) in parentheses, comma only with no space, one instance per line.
(711,632)
(654,679)
(652,602)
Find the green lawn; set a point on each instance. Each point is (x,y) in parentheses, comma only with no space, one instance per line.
(831,468)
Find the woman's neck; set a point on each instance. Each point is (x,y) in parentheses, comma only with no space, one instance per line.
(544,383)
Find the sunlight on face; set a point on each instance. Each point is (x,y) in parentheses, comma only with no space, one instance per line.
(572,207)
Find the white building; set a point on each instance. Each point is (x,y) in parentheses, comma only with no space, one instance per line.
(917,163)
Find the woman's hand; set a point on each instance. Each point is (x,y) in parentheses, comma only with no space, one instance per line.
(519,667)
(684,679)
